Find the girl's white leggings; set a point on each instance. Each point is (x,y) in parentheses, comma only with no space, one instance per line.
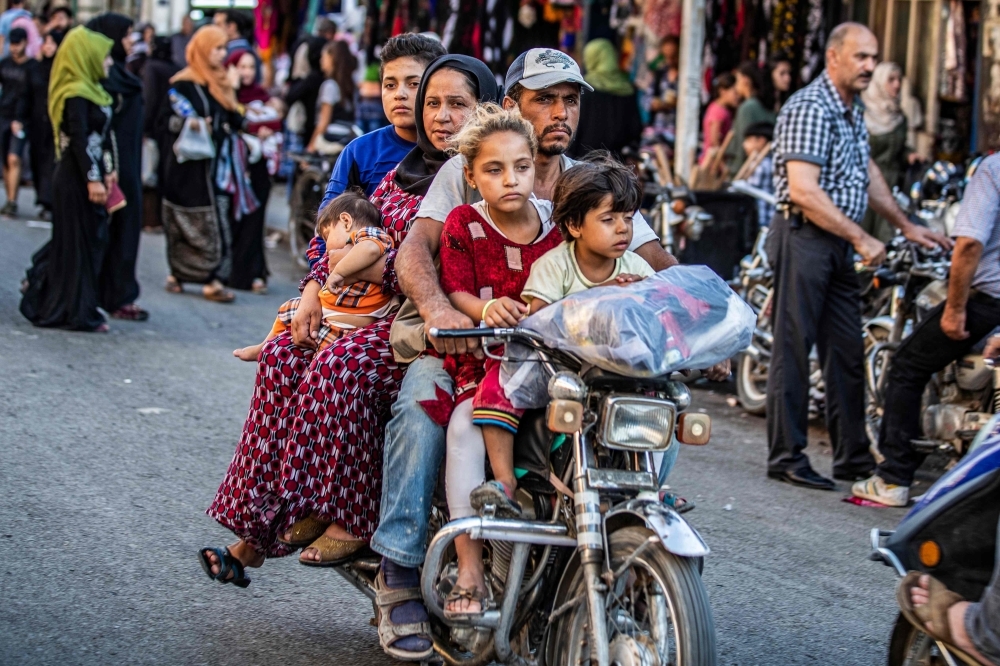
(465,462)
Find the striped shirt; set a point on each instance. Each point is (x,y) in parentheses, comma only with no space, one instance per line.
(816,126)
(979,219)
(361,298)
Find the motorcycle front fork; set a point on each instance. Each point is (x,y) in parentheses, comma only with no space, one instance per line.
(590,542)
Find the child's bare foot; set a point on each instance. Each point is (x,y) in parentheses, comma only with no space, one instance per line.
(251,353)
(469,593)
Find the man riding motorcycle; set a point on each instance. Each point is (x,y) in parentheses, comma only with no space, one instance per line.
(546,87)
(971,311)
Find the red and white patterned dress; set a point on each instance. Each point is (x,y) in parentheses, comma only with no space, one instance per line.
(312,442)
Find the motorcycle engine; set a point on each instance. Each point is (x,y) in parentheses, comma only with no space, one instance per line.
(931,296)
(972,374)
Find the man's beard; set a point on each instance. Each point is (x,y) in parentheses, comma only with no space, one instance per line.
(554,150)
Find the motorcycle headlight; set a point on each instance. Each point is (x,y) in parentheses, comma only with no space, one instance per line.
(633,423)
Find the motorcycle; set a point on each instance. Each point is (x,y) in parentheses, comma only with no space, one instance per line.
(959,399)
(310,178)
(673,214)
(606,575)
(951,534)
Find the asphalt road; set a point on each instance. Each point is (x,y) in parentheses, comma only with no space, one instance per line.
(111,447)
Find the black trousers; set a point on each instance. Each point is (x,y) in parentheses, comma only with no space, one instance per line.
(926,351)
(817,302)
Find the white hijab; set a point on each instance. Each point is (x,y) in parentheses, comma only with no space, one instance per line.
(882,111)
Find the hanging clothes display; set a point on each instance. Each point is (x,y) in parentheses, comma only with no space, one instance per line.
(953,58)
(814,42)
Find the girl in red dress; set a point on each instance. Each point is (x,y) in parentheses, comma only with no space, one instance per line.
(487,250)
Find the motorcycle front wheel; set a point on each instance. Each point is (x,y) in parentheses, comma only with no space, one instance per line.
(657,610)
(911,647)
(751,385)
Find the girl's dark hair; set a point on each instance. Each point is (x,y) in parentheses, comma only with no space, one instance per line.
(409,45)
(723,81)
(752,72)
(582,187)
(344,64)
(769,97)
(355,204)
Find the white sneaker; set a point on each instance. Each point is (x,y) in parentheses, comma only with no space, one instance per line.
(877,490)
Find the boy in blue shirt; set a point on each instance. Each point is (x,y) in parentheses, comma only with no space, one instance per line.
(366,160)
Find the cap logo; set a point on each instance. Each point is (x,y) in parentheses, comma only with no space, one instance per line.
(553,59)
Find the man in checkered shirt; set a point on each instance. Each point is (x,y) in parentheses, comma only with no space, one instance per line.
(824,180)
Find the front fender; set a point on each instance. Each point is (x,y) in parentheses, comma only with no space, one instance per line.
(884,322)
(675,533)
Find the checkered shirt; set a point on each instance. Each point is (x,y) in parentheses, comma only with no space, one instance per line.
(815,126)
(763,178)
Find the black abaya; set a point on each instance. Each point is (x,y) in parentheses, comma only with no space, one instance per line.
(249,262)
(43,152)
(62,290)
(118,285)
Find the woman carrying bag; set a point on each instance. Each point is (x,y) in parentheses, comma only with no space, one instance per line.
(201,116)
(118,286)
(61,287)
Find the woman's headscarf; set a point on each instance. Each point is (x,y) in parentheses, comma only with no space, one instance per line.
(254,91)
(77,72)
(415,173)
(199,70)
(882,111)
(115,26)
(600,60)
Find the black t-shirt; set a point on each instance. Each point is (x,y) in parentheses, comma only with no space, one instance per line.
(14,96)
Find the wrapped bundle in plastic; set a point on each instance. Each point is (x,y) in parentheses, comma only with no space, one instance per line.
(683,317)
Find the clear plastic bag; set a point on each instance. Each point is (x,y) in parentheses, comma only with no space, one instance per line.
(685,317)
(194,142)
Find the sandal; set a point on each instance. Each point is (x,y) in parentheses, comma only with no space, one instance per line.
(333,551)
(173,286)
(130,312)
(471,594)
(259,287)
(304,532)
(939,600)
(386,599)
(227,565)
(219,295)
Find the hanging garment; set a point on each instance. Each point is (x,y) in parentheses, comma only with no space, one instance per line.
(953,82)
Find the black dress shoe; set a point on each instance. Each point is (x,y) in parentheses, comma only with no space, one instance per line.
(854,476)
(807,478)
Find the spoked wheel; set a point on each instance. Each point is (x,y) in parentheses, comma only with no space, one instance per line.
(911,647)
(307,194)
(876,363)
(657,610)
(751,385)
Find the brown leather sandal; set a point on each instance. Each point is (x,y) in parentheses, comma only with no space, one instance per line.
(332,551)
(939,600)
(304,532)
(389,632)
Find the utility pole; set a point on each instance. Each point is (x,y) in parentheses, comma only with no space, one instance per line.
(689,87)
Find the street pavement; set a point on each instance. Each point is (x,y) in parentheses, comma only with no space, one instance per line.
(112,446)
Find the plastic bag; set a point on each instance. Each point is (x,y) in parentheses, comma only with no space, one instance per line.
(150,162)
(194,142)
(683,317)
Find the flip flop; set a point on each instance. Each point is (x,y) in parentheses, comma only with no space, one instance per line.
(333,551)
(130,312)
(220,295)
(173,286)
(304,532)
(470,593)
(227,564)
(939,600)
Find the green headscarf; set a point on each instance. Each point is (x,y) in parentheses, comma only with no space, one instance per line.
(76,72)
(600,59)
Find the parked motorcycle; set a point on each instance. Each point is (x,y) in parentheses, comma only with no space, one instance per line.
(951,534)
(959,399)
(673,214)
(609,575)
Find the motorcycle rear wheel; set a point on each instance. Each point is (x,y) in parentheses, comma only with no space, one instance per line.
(307,194)
(658,584)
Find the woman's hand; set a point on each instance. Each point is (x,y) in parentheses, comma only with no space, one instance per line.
(504,312)
(97,193)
